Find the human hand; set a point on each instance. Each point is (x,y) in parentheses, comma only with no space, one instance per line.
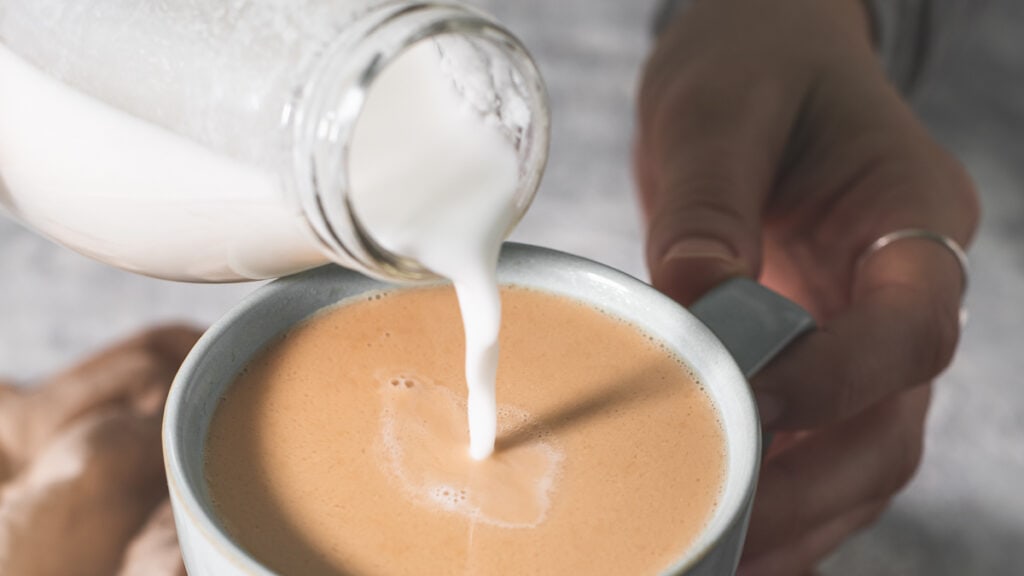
(81,469)
(770,145)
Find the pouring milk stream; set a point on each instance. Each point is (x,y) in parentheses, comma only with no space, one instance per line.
(442,158)
(464,173)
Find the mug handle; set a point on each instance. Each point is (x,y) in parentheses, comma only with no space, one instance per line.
(754,323)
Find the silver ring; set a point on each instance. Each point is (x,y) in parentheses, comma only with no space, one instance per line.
(946,242)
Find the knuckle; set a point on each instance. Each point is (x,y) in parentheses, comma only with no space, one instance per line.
(910,461)
(138,363)
(874,514)
(909,450)
(793,524)
(171,343)
(845,400)
(706,196)
(940,330)
(705,210)
(967,207)
(929,331)
(835,402)
(779,509)
(843,397)
(710,199)
(947,336)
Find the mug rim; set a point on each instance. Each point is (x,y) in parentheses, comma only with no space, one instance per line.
(726,514)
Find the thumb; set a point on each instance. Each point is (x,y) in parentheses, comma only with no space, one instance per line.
(693,248)
(712,130)
(703,189)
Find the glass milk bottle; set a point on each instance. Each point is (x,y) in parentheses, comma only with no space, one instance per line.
(226,140)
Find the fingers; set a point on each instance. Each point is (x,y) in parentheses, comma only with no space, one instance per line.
(172,342)
(154,552)
(719,102)
(832,472)
(708,143)
(900,329)
(87,467)
(135,373)
(86,494)
(814,546)
(122,373)
(706,175)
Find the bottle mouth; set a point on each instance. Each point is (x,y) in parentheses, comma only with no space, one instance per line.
(494,68)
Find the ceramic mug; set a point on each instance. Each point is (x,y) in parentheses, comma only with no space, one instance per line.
(725,338)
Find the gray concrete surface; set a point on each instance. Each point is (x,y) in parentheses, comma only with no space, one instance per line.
(963,515)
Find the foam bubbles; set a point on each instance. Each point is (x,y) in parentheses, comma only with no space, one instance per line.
(422,449)
(448,497)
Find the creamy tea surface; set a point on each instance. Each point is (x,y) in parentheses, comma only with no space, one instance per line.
(343,447)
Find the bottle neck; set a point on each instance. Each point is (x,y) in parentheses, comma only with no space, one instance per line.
(494,73)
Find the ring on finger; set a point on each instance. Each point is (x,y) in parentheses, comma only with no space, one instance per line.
(951,245)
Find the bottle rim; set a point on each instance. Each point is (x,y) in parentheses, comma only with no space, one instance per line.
(326,109)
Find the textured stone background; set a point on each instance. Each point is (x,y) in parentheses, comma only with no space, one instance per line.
(964,514)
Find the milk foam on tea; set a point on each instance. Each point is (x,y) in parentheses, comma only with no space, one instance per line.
(340,450)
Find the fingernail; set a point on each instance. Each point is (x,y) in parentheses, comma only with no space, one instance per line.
(698,248)
(693,266)
(769,408)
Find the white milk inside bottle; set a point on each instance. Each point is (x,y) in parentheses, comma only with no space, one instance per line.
(431,179)
(207,141)
(136,195)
